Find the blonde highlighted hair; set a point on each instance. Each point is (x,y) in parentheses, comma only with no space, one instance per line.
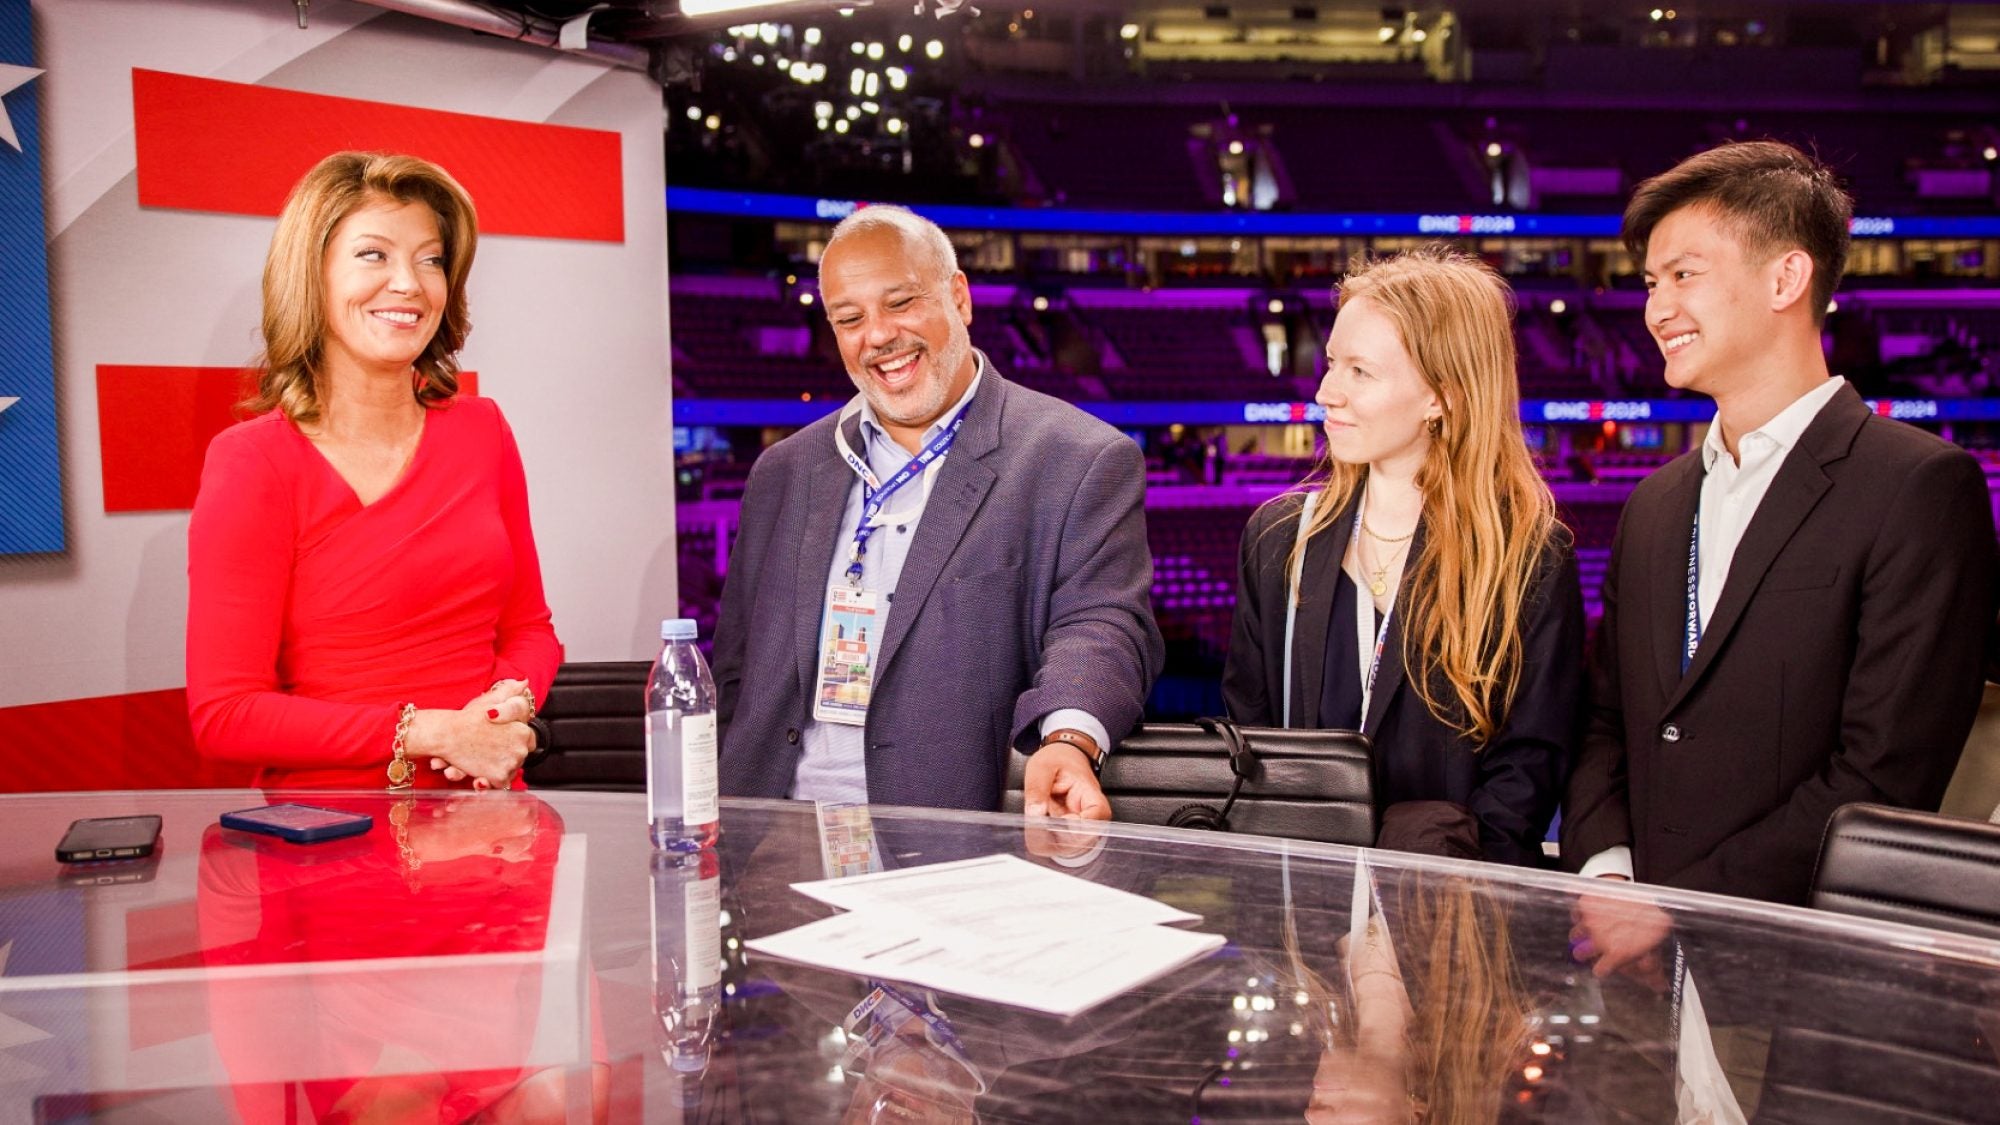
(1488,515)
(1469,1030)
(292,378)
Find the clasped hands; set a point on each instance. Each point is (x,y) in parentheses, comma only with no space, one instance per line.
(486,740)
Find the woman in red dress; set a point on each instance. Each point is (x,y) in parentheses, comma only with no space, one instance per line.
(365,604)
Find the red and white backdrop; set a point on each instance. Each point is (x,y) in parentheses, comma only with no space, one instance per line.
(171,133)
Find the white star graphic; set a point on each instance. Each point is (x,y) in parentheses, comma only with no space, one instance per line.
(4,404)
(12,78)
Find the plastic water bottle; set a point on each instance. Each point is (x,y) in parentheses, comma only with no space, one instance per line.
(680,743)
(687,963)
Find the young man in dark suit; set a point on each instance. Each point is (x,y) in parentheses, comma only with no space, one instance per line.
(1794,613)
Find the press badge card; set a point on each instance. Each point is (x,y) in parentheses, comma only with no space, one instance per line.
(846,839)
(848,637)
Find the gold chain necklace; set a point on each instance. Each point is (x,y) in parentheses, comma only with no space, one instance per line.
(1380,538)
(1378,576)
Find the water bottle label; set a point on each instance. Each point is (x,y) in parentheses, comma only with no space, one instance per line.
(704,933)
(698,768)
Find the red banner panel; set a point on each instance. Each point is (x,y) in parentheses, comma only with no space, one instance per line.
(137,741)
(153,428)
(208,145)
(154,425)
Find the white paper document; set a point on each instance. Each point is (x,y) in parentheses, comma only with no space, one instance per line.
(998,929)
(1059,977)
(996,897)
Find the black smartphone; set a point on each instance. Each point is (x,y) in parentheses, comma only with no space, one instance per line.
(300,824)
(109,837)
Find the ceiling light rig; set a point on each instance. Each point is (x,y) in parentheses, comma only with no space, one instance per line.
(943,8)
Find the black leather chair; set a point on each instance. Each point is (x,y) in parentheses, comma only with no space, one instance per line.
(1306,784)
(1923,869)
(1917,868)
(597,728)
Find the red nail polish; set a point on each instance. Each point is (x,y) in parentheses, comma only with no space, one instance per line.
(492,712)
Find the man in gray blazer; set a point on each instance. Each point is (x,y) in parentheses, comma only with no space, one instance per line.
(951,569)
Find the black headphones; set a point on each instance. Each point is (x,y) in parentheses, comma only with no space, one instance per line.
(1242,763)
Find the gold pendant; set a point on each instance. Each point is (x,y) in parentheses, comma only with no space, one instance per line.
(400,773)
(1378,587)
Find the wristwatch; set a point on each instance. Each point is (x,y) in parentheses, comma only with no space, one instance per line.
(542,736)
(1081,741)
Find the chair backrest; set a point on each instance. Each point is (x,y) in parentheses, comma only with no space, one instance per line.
(1308,784)
(597,728)
(1924,869)
(1975,786)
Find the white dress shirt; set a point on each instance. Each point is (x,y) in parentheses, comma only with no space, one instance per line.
(1731,490)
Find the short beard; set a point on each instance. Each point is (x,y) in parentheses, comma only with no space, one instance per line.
(945,366)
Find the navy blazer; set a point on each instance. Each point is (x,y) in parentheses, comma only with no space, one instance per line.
(1843,661)
(1027,589)
(1513,783)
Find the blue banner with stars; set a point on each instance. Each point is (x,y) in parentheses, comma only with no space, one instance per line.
(31,515)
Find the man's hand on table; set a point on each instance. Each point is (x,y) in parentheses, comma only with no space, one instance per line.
(1064,839)
(1621,935)
(1061,783)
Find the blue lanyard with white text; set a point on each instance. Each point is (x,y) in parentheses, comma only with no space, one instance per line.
(1381,634)
(1691,639)
(875,496)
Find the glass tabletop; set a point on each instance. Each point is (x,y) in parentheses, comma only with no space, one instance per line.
(527,956)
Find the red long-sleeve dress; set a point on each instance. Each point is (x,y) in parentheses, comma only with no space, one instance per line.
(312,618)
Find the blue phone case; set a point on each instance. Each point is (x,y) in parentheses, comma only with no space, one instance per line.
(300,824)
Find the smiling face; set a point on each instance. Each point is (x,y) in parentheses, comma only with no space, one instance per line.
(384,281)
(902,332)
(1709,305)
(1376,398)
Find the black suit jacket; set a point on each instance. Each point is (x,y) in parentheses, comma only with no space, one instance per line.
(1513,783)
(1842,663)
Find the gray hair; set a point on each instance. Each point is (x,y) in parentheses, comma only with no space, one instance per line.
(914,229)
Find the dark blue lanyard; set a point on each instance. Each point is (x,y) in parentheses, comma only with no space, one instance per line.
(874,499)
(1692,638)
(937,1028)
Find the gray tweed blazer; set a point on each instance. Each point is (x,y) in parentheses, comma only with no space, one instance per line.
(1026,589)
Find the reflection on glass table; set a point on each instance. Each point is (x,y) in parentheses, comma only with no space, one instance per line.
(515,956)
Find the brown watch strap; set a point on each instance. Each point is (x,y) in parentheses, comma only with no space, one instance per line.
(1079,740)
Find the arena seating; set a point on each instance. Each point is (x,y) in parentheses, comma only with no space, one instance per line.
(751,341)
(749,344)
(1094,156)
(1194,570)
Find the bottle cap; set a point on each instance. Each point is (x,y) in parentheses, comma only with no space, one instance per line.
(677,629)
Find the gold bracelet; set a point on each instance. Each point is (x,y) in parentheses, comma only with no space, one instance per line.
(399,820)
(400,770)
